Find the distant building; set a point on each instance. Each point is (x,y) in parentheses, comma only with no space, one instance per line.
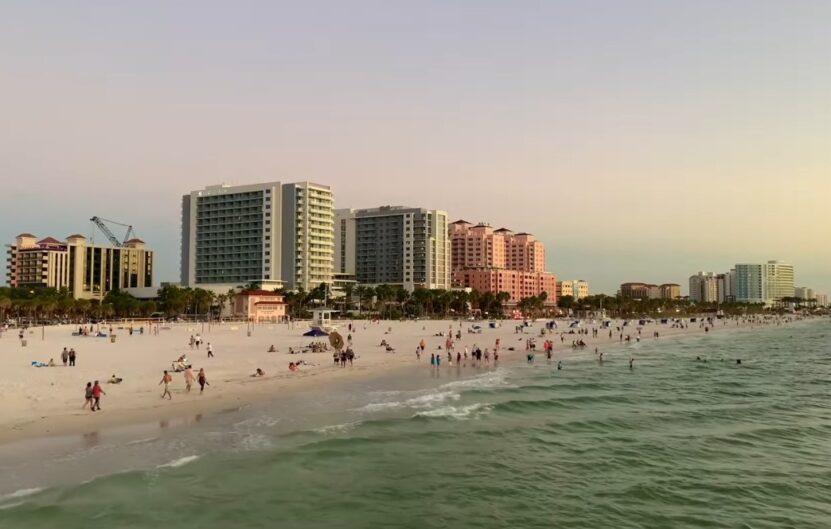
(87,271)
(670,291)
(726,287)
(577,288)
(498,260)
(803,293)
(704,287)
(271,233)
(764,283)
(649,291)
(822,300)
(259,306)
(393,245)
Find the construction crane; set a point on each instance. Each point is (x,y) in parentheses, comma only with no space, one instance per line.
(98,221)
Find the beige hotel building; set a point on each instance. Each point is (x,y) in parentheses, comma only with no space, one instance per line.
(88,271)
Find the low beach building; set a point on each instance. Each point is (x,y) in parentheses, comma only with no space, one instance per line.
(259,306)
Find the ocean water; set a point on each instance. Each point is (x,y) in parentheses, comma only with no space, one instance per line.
(674,442)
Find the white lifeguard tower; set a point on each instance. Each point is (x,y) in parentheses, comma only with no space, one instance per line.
(322,320)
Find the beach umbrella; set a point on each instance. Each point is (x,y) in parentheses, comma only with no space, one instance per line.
(336,340)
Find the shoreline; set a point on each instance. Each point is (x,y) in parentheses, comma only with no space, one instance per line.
(240,391)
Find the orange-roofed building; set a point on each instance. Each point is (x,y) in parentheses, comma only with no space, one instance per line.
(260,306)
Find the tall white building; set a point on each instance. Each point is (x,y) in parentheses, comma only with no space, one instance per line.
(345,242)
(704,287)
(308,235)
(270,233)
(764,283)
(726,285)
(394,245)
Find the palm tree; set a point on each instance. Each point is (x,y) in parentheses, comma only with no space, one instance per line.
(5,305)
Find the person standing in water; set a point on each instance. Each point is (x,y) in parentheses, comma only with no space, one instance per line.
(188,379)
(559,365)
(631,362)
(88,399)
(166,380)
(97,391)
(203,380)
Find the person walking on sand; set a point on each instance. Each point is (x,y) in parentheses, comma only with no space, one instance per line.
(88,400)
(97,391)
(166,380)
(72,356)
(189,378)
(210,350)
(203,380)
(64,356)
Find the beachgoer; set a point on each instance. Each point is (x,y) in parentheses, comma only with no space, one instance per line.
(64,356)
(210,350)
(559,365)
(166,380)
(115,380)
(202,379)
(258,373)
(88,400)
(188,379)
(72,355)
(97,391)
(631,361)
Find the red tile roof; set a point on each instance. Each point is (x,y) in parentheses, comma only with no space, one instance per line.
(26,235)
(49,240)
(76,236)
(134,241)
(259,293)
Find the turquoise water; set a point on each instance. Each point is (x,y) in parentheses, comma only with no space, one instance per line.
(673,443)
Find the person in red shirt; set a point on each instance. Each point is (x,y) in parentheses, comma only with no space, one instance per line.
(97,391)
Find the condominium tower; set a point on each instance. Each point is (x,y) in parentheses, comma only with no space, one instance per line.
(764,283)
(393,245)
(704,287)
(271,233)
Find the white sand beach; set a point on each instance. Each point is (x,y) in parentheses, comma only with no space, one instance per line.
(48,400)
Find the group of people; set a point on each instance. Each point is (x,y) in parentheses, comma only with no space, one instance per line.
(341,357)
(476,355)
(201,378)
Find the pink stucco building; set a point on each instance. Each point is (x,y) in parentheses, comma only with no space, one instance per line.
(490,260)
(259,306)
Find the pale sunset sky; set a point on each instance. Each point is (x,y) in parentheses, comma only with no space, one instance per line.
(640,140)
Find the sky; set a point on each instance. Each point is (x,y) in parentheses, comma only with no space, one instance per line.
(640,140)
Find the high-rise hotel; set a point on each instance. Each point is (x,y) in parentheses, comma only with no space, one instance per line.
(393,245)
(277,235)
